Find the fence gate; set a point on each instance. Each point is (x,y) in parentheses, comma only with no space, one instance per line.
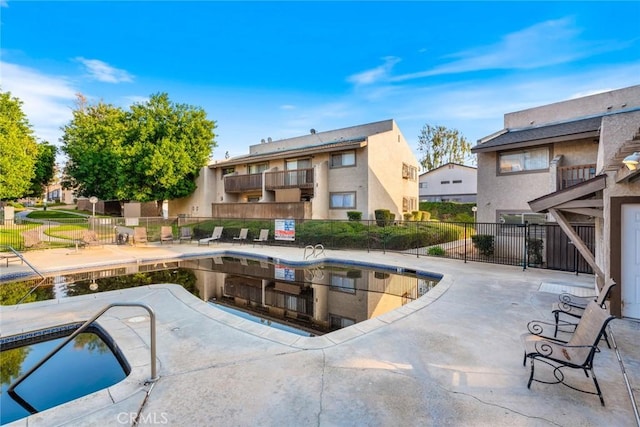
(561,253)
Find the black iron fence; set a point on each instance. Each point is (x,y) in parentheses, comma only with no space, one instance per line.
(526,245)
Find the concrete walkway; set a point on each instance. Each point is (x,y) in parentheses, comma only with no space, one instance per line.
(451,358)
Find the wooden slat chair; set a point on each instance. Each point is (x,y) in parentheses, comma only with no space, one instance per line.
(90,238)
(166,234)
(185,234)
(577,353)
(573,306)
(139,235)
(242,236)
(216,235)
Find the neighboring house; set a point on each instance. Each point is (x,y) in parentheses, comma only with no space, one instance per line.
(55,193)
(322,175)
(449,183)
(565,161)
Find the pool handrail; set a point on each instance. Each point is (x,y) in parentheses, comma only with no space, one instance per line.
(85,325)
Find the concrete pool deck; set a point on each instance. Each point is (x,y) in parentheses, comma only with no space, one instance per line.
(453,357)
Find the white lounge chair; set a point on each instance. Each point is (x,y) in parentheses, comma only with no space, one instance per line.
(139,235)
(216,235)
(263,237)
(242,236)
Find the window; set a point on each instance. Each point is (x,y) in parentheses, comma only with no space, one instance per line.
(409,204)
(338,322)
(423,185)
(409,172)
(228,170)
(534,159)
(444,182)
(343,200)
(346,158)
(258,167)
(343,283)
(457,181)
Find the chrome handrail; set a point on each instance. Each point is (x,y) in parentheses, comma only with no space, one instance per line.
(85,325)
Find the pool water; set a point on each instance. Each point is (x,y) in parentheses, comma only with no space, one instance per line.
(83,366)
(312,298)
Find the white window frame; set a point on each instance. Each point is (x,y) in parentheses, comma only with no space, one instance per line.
(534,159)
(342,156)
(345,195)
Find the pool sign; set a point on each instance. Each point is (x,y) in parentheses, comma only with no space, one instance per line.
(285,229)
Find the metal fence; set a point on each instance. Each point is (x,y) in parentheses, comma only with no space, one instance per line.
(526,245)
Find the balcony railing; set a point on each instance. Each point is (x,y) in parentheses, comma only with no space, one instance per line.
(296,178)
(568,176)
(242,183)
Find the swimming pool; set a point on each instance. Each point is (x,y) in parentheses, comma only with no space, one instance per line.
(88,363)
(316,298)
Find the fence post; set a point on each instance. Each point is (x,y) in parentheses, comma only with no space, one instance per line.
(465,242)
(524,245)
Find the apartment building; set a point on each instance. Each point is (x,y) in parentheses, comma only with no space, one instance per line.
(321,175)
(573,161)
(451,182)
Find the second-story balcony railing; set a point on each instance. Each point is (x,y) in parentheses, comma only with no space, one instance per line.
(568,176)
(242,183)
(296,178)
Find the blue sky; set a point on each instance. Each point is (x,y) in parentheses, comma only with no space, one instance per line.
(278,69)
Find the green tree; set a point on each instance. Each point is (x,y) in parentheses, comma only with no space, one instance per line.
(93,141)
(167,145)
(440,145)
(18,148)
(45,169)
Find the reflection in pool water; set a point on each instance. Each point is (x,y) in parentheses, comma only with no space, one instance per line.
(316,298)
(83,366)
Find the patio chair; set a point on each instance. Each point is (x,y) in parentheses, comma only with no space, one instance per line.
(263,237)
(90,238)
(185,234)
(242,236)
(573,306)
(139,235)
(216,235)
(577,353)
(166,234)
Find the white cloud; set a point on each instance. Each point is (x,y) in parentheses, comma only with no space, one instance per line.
(47,100)
(380,73)
(287,107)
(104,72)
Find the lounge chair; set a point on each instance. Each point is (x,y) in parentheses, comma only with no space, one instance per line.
(166,234)
(90,238)
(573,306)
(185,234)
(216,235)
(577,353)
(263,237)
(139,235)
(242,236)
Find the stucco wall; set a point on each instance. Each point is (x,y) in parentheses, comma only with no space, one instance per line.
(199,203)
(386,186)
(616,130)
(620,99)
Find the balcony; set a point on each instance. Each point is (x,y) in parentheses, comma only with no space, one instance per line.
(296,178)
(243,183)
(568,176)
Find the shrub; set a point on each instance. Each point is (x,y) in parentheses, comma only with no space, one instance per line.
(426,216)
(436,251)
(534,250)
(384,217)
(417,215)
(354,215)
(408,216)
(484,243)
